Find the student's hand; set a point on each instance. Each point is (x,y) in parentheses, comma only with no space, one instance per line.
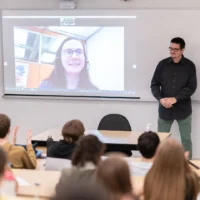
(14,137)
(138,189)
(186,154)
(29,137)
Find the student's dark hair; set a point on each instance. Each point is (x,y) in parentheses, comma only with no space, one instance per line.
(114,174)
(178,40)
(72,130)
(148,143)
(81,190)
(89,149)
(3,161)
(4,125)
(57,77)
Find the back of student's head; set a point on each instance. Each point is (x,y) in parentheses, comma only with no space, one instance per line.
(89,149)
(3,162)
(170,176)
(113,173)
(148,143)
(72,130)
(81,190)
(4,125)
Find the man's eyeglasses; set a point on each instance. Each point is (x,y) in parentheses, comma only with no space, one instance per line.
(174,49)
(70,52)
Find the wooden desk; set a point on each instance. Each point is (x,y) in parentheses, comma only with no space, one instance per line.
(41,164)
(29,198)
(47,181)
(197,163)
(123,140)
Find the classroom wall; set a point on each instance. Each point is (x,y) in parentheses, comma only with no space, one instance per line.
(100,4)
(40,114)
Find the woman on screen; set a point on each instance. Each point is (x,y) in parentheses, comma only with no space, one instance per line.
(71,68)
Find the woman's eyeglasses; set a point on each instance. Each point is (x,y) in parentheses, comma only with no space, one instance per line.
(70,52)
(174,49)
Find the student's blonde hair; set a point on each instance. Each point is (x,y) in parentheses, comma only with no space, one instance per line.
(170,177)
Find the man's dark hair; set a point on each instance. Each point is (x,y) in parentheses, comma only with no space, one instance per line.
(4,125)
(148,143)
(178,40)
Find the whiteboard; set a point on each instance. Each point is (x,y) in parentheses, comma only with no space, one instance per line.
(154,30)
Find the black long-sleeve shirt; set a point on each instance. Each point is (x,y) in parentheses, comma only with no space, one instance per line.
(60,149)
(174,80)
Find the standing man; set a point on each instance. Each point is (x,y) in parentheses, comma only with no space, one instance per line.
(173,83)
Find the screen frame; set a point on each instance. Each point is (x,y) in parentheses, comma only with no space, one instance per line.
(60,13)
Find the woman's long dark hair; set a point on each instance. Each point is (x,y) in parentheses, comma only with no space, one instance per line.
(89,149)
(58,78)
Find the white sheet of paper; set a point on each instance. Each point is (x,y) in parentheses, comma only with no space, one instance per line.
(22,182)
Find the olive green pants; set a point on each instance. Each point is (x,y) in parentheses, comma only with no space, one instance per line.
(184,128)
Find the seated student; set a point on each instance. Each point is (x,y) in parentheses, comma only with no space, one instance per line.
(81,190)
(171,176)
(3,168)
(17,155)
(71,132)
(147,145)
(113,173)
(85,159)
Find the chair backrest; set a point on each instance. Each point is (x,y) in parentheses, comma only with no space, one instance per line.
(114,122)
(57,164)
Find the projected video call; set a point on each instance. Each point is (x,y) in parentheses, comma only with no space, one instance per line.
(82,56)
(69,57)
